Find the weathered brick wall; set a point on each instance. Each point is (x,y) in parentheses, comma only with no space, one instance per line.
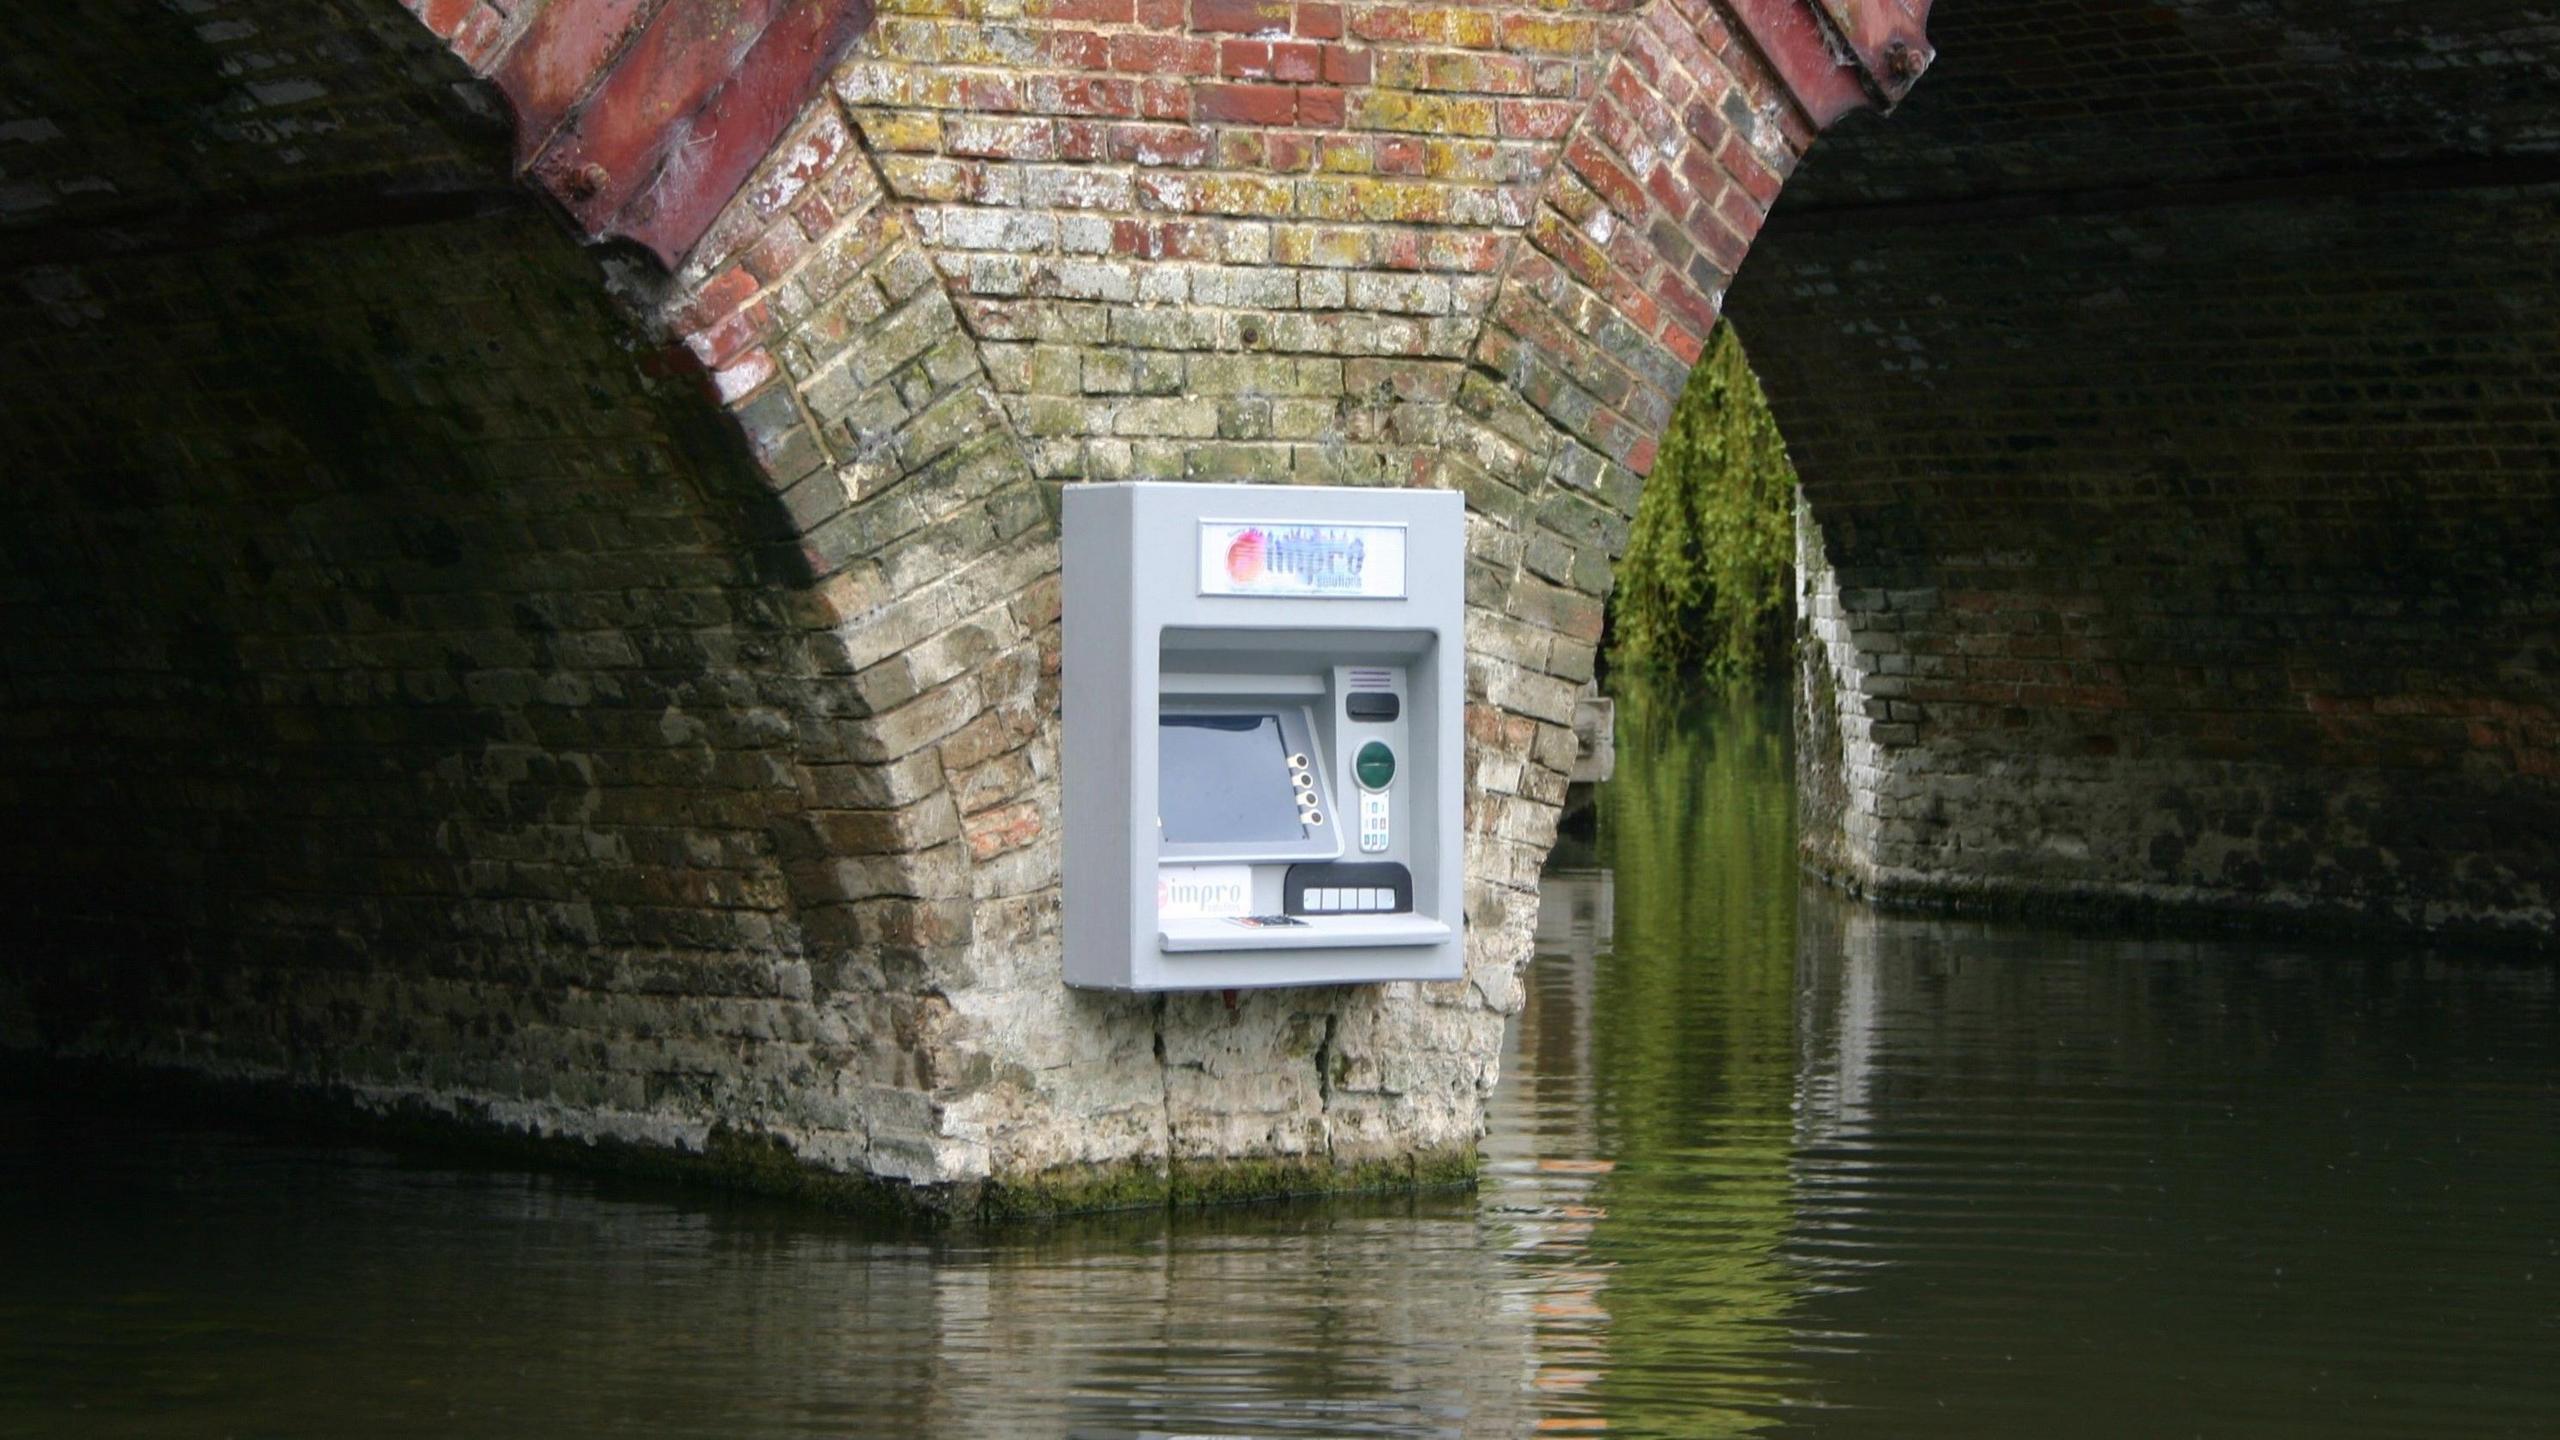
(394,699)
(2190,540)
(408,692)
(1470,247)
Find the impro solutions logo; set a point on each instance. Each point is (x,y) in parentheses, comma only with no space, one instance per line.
(1293,559)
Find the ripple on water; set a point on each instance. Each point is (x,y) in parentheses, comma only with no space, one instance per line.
(1763,1162)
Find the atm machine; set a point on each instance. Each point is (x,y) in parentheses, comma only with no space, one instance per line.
(1263,689)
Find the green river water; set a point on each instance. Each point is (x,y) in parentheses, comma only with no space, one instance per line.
(1764,1162)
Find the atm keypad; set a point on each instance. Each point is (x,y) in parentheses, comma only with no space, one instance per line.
(1373,822)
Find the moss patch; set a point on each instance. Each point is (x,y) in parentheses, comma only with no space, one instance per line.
(732,1160)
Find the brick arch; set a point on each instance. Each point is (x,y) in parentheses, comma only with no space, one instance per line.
(1470,246)
(2169,386)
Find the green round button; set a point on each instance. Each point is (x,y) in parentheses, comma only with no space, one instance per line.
(1375,765)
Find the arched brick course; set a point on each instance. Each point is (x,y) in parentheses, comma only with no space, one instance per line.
(1471,246)
(2170,384)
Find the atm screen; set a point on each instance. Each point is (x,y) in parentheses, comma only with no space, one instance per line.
(1224,779)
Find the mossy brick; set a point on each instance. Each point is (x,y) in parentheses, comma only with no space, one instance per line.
(1186,417)
(1232,461)
(1244,418)
(1105,372)
(1305,419)
(957,417)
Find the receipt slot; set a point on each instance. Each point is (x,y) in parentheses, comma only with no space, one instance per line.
(1263,692)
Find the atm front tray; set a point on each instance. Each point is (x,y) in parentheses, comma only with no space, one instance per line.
(1325,932)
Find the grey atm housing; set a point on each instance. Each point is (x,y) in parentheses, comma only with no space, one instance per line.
(1254,710)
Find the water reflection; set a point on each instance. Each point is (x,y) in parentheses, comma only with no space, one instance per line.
(1763,1162)
(1544,1160)
(2179,1187)
(1692,1071)
(1902,1175)
(198,1284)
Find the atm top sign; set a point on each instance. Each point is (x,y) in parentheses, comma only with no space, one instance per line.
(1294,559)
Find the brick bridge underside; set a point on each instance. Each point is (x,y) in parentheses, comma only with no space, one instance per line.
(2176,391)
(609,690)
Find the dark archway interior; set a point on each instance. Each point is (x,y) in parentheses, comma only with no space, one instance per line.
(392,688)
(2173,387)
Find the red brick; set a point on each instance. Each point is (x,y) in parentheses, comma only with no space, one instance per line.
(1164,55)
(1679,341)
(1400,156)
(776,251)
(1736,209)
(1719,242)
(1077,49)
(1247,104)
(1695,310)
(1319,106)
(999,94)
(1241,17)
(1320,22)
(476,40)
(445,17)
(1608,177)
(1080,139)
(1703,175)
(1747,171)
(1640,105)
(718,296)
(1535,119)
(816,216)
(1705,124)
(1159,145)
(1080,95)
(1297,60)
(1641,55)
(1664,186)
(722,342)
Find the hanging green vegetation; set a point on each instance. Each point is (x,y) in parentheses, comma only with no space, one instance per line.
(1705,582)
